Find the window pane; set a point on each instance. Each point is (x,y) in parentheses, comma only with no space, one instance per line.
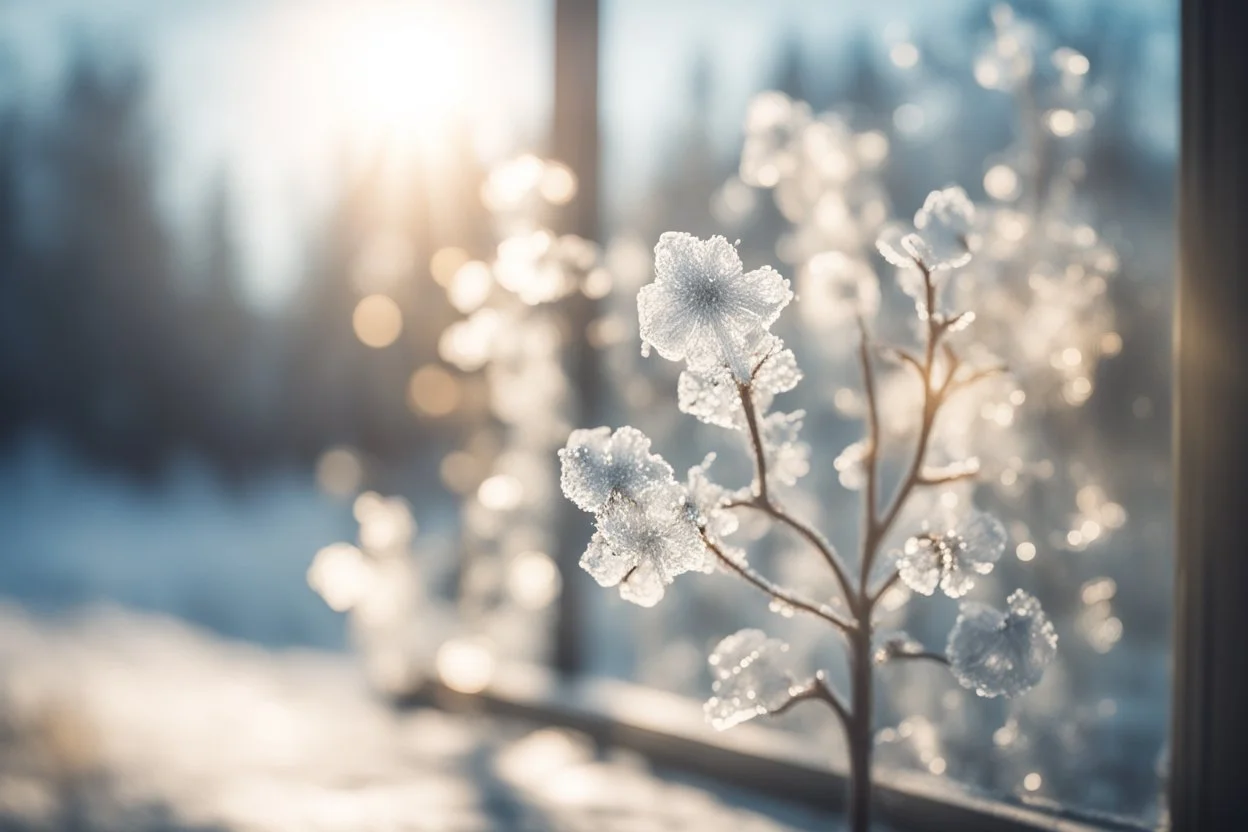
(802,133)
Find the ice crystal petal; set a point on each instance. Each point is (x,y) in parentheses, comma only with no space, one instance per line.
(603,563)
(644,586)
(945,224)
(950,555)
(712,397)
(751,678)
(599,465)
(708,500)
(999,653)
(657,539)
(943,236)
(702,309)
(889,244)
(778,372)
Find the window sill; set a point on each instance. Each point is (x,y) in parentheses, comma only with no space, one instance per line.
(670,730)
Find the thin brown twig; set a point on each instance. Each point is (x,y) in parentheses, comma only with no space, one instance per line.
(925,655)
(756,438)
(763,502)
(872,457)
(947,479)
(812,536)
(776,592)
(932,398)
(818,688)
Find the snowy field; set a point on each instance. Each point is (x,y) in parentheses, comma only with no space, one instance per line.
(113,720)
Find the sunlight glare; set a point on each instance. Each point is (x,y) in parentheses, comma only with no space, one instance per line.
(400,73)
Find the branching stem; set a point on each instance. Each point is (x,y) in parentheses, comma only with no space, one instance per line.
(819,688)
(776,592)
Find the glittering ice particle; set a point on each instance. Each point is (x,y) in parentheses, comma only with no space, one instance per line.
(703,309)
(751,678)
(999,653)
(950,555)
(641,546)
(599,465)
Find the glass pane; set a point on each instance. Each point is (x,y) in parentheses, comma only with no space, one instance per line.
(802,133)
(229,233)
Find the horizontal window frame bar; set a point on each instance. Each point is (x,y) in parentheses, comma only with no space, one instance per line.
(671,732)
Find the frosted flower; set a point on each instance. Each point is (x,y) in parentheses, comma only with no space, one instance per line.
(950,556)
(713,396)
(598,465)
(999,653)
(942,238)
(751,678)
(703,309)
(643,546)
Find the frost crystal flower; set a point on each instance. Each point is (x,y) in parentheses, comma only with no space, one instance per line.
(999,653)
(599,465)
(643,546)
(942,238)
(714,396)
(951,557)
(751,678)
(703,309)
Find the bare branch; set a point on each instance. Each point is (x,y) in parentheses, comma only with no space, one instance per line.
(888,584)
(924,655)
(776,592)
(756,438)
(870,496)
(813,537)
(819,688)
(946,479)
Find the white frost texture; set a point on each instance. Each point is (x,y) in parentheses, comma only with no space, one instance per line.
(599,465)
(713,396)
(942,238)
(641,546)
(951,555)
(703,308)
(751,678)
(999,653)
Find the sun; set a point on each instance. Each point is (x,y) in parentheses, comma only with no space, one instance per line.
(398,72)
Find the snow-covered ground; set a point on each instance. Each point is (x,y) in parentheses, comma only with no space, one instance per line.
(116,720)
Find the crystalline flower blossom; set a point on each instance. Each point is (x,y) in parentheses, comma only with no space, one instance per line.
(942,238)
(643,546)
(598,465)
(704,309)
(751,678)
(999,653)
(951,556)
